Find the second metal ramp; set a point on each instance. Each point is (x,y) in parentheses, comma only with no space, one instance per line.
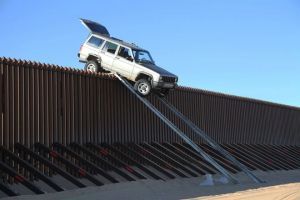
(178,131)
(209,140)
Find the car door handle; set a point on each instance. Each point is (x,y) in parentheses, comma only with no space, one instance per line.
(117,58)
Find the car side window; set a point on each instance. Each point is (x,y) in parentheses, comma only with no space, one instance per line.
(94,41)
(125,53)
(110,47)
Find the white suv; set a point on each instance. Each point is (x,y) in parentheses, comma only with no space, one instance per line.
(103,53)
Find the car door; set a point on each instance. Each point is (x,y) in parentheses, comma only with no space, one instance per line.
(108,54)
(123,62)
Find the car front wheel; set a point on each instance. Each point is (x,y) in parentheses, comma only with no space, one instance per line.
(143,87)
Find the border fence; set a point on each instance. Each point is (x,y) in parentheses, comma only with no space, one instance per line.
(48,103)
(63,128)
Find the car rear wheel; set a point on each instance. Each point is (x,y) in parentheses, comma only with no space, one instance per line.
(92,66)
(143,87)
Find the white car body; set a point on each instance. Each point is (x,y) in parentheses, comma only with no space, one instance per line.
(123,58)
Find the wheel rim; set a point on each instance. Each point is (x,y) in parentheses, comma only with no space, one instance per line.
(143,88)
(91,67)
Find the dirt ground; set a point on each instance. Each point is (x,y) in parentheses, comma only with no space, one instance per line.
(289,191)
(278,185)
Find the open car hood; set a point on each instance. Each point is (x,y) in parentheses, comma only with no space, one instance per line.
(95,27)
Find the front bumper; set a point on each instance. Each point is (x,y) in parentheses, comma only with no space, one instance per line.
(164,85)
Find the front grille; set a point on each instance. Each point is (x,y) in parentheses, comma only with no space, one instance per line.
(168,79)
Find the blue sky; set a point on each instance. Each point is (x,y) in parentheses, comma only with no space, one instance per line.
(248,48)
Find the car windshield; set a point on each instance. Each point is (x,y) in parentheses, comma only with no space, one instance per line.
(142,56)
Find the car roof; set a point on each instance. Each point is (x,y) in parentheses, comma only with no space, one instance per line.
(118,41)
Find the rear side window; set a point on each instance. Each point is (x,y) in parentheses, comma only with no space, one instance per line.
(110,47)
(94,41)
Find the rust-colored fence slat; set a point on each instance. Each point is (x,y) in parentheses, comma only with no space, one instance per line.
(202,169)
(184,165)
(278,161)
(220,157)
(140,155)
(89,166)
(25,165)
(4,188)
(125,158)
(182,160)
(56,155)
(99,160)
(18,178)
(177,167)
(261,159)
(104,152)
(285,158)
(157,159)
(247,162)
(2,100)
(6,108)
(195,156)
(266,157)
(217,158)
(289,158)
(257,162)
(291,151)
(33,155)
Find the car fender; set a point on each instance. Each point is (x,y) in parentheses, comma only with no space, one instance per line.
(94,56)
(138,69)
(153,81)
(144,73)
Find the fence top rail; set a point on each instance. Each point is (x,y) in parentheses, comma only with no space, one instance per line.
(58,68)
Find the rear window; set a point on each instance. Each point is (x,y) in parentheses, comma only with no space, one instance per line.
(94,41)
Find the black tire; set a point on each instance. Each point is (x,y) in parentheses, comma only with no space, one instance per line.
(92,66)
(143,87)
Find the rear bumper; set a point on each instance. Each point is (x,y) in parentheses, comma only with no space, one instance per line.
(81,59)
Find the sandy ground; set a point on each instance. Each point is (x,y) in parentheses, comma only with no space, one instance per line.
(279,185)
(286,191)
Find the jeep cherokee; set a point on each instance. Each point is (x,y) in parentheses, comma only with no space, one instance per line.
(103,53)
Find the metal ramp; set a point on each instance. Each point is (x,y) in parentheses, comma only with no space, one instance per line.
(197,130)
